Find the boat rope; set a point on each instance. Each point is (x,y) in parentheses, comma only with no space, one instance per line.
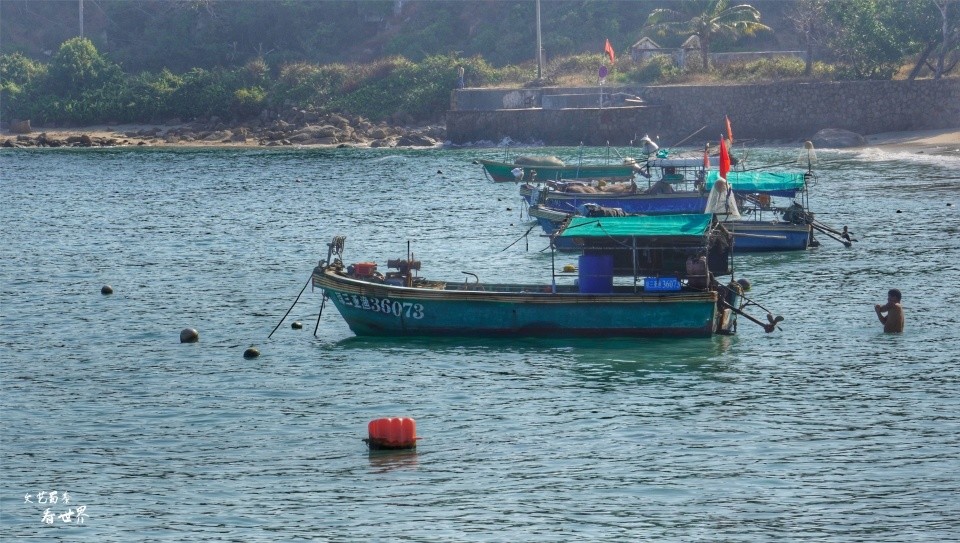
(521,237)
(769,166)
(702,128)
(322,303)
(291,307)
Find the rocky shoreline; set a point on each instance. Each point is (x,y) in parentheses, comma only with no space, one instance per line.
(296,128)
(308,129)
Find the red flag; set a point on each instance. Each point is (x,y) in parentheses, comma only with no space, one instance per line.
(608,49)
(724,159)
(729,130)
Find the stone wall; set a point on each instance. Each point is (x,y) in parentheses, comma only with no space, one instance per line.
(768,112)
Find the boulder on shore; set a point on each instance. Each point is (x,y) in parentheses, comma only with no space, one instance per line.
(20,127)
(836,138)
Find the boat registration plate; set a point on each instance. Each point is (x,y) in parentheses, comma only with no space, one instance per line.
(661,284)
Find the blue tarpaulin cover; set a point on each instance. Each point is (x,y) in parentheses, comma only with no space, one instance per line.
(692,225)
(773,183)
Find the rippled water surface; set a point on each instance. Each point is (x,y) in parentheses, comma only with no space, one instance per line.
(828,430)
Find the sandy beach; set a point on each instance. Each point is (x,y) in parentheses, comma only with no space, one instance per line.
(941,141)
(928,141)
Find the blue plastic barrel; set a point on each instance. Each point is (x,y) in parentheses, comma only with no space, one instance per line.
(596,274)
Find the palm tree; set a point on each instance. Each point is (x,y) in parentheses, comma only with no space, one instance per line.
(707,19)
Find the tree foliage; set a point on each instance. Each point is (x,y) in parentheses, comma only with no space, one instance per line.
(201,59)
(707,20)
(78,67)
(867,37)
(18,76)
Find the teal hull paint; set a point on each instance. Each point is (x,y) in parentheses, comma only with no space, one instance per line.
(502,171)
(423,312)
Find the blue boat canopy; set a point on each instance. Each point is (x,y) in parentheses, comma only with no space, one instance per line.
(773,183)
(692,225)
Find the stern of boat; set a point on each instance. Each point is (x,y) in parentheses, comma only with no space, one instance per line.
(726,317)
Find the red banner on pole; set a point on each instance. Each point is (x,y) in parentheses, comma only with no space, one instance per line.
(724,159)
(608,49)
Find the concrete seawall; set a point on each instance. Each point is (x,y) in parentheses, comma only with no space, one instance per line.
(769,112)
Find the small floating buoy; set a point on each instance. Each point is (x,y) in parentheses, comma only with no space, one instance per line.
(744,284)
(251,352)
(189,335)
(898,211)
(569,268)
(392,433)
(440,172)
(296,325)
(949,205)
(509,209)
(106,289)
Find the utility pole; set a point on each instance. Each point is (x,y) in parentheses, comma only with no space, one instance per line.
(539,45)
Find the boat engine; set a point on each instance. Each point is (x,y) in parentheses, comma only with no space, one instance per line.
(403,275)
(403,266)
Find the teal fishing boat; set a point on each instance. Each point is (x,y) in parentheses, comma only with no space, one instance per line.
(664,295)
(544,170)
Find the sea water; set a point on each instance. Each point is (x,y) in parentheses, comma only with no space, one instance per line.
(826,430)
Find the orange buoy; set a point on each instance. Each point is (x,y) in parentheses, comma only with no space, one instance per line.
(392,433)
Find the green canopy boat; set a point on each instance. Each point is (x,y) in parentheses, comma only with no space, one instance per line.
(666,296)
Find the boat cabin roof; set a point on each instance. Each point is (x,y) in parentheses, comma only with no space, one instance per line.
(774,183)
(639,226)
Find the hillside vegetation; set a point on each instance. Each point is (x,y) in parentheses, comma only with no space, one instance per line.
(387,60)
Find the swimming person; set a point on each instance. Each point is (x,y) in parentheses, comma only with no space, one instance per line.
(893,320)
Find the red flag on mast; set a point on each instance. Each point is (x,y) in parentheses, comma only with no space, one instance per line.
(724,159)
(608,49)
(729,130)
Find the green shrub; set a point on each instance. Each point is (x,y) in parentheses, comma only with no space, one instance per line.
(248,102)
(764,69)
(307,85)
(585,64)
(78,67)
(19,78)
(255,72)
(203,94)
(399,88)
(656,69)
(149,97)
